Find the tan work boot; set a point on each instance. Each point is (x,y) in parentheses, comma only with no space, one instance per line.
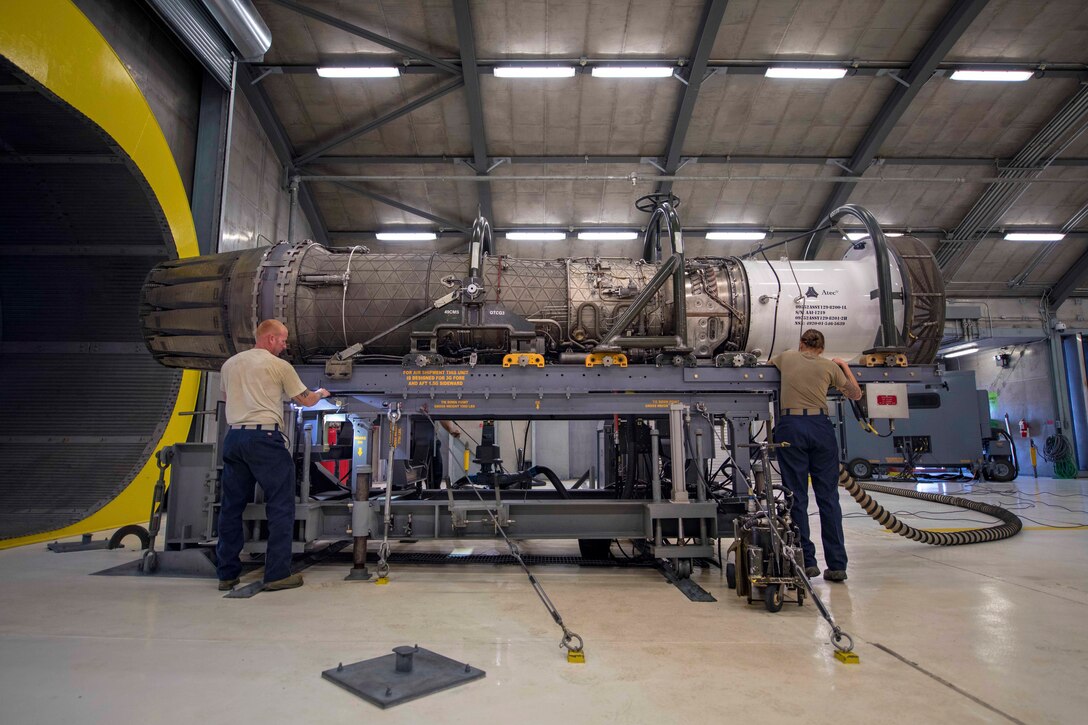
(289,582)
(225,585)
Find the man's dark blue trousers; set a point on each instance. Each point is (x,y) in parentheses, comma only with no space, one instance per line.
(249,457)
(813,450)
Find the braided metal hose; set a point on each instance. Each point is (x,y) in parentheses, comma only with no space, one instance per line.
(885,518)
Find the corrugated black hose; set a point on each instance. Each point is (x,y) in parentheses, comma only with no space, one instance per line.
(1011,526)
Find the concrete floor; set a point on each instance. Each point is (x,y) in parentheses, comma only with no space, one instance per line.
(985,633)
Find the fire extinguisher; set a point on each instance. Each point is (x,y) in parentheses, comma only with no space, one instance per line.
(1023,428)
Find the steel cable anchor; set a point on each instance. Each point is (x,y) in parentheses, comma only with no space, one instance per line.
(575,652)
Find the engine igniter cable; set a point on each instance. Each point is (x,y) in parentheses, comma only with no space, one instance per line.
(1011,526)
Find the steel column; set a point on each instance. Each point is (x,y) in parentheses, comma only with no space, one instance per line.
(281,145)
(713,12)
(471,75)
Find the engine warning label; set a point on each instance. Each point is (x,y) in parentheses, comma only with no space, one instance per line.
(821,315)
(454,405)
(435,378)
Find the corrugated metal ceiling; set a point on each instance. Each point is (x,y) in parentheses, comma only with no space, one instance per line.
(737,113)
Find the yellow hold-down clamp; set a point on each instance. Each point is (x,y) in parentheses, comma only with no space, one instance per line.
(576,657)
(607,359)
(523,360)
(847,658)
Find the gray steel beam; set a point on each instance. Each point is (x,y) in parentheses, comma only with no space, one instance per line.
(853,67)
(921,68)
(1067,228)
(404,110)
(368,35)
(660,161)
(713,12)
(210,157)
(1076,273)
(1064,287)
(471,75)
(446,223)
(313,214)
(1056,135)
(698,229)
(281,145)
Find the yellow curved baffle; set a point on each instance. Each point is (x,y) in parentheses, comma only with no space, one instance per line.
(54,43)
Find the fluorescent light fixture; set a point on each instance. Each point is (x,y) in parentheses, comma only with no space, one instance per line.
(632,71)
(1034,237)
(736,236)
(406,236)
(359,72)
(991,75)
(536,236)
(893,234)
(961,346)
(814,73)
(961,353)
(606,236)
(534,71)
(855,236)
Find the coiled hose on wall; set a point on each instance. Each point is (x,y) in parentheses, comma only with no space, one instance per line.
(1011,526)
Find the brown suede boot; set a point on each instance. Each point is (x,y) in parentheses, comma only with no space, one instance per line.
(289,582)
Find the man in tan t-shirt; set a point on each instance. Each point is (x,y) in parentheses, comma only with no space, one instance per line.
(254,384)
(813,449)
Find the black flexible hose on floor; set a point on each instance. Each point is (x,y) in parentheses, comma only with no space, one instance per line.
(885,518)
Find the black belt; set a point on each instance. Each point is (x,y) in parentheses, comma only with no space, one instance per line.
(258,426)
(804,411)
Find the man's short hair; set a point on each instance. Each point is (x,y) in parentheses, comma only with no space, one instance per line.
(813,339)
(270,327)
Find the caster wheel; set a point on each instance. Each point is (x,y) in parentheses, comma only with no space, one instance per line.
(860,469)
(682,568)
(731,575)
(773,597)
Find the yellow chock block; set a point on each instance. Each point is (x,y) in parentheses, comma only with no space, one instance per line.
(847,658)
(523,359)
(607,360)
(382,581)
(576,658)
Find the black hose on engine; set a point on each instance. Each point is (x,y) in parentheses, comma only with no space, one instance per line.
(1011,526)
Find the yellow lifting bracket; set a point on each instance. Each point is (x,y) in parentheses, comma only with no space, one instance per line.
(607,359)
(576,658)
(523,360)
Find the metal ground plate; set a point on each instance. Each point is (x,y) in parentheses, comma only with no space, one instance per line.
(377,680)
